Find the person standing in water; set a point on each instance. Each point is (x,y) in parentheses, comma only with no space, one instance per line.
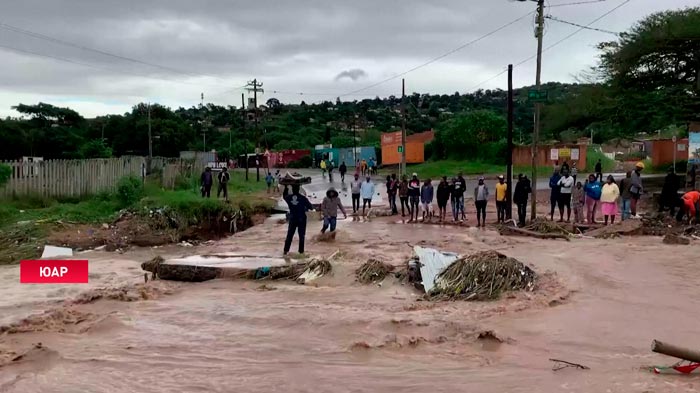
(298,206)
(481,197)
(367,191)
(566,184)
(554,193)
(501,199)
(609,195)
(414,196)
(443,195)
(329,209)
(426,199)
(355,190)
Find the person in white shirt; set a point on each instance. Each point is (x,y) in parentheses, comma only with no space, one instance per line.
(566,184)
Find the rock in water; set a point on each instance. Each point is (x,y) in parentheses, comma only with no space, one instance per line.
(676,239)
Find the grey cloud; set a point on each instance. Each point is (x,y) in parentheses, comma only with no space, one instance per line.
(299,45)
(353,74)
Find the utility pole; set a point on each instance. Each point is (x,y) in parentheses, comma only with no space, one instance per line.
(509,159)
(245,140)
(539,33)
(204,126)
(403,127)
(150,139)
(256,86)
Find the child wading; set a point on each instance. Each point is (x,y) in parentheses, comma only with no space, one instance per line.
(329,209)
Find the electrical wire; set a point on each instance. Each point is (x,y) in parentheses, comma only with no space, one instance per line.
(550,17)
(66,60)
(440,57)
(580,29)
(577,3)
(99,51)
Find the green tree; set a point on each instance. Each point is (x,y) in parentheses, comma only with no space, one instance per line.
(470,135)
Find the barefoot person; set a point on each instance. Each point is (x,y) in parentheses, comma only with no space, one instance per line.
(690,207)
(403,196)
(522,191)
(443,195)
(329,209)
(566,185)
(608,199)
(481,197)
(593,189)
(501,199)
(367,191)
(554,193)
(578,200)
(426,199)
(298,206)
(414,196)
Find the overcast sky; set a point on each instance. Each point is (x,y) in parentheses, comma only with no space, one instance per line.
(331,47)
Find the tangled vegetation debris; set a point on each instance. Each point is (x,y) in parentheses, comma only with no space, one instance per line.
(373,271)
(482,276)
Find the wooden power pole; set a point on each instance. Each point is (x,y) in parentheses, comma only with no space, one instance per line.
(256,87)
(402,170)
(245,140)
(509,159)
(538,105)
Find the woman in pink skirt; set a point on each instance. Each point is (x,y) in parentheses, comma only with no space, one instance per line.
(608,199)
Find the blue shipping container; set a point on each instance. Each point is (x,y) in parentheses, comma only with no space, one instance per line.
(348,155)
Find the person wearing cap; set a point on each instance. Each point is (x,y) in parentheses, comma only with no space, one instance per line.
(367,191)
(355,188)
(414,196)
(501,199)
(329,210)
(481,197)
(459,187)
(636,189)
(520,196)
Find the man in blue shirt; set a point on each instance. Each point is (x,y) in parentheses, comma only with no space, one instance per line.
(298,206)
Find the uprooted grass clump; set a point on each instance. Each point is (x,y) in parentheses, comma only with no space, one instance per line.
(541,225)
(372,271)
(482,276)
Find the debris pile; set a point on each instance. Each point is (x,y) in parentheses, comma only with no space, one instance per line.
(373,271)
(539,228)
(672,238)
(541,225)
(482,276)
(294,179)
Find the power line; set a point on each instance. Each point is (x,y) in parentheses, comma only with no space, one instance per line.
(102,52)
(576,3)
(550,17)
(580,29)
(66,60)
(442,56)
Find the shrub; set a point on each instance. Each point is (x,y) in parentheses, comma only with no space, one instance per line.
(129,190)
(5,173)
(303,162)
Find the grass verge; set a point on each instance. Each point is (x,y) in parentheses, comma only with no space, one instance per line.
(25,222)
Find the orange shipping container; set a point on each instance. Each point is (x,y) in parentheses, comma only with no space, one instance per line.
(414,153)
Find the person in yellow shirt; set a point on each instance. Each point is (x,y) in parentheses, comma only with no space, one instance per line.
(501,198)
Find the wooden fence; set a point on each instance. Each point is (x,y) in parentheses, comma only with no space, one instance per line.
(69,178)
(78,178)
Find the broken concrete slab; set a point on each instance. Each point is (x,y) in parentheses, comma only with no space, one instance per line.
(197,268)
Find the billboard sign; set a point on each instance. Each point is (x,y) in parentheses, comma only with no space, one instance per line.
(694,147)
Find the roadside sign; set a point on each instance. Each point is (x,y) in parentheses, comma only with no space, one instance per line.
(400,149)
(538,95)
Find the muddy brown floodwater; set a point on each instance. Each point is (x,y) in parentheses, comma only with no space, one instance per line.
(599,303)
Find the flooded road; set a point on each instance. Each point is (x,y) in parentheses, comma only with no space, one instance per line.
(598,303)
